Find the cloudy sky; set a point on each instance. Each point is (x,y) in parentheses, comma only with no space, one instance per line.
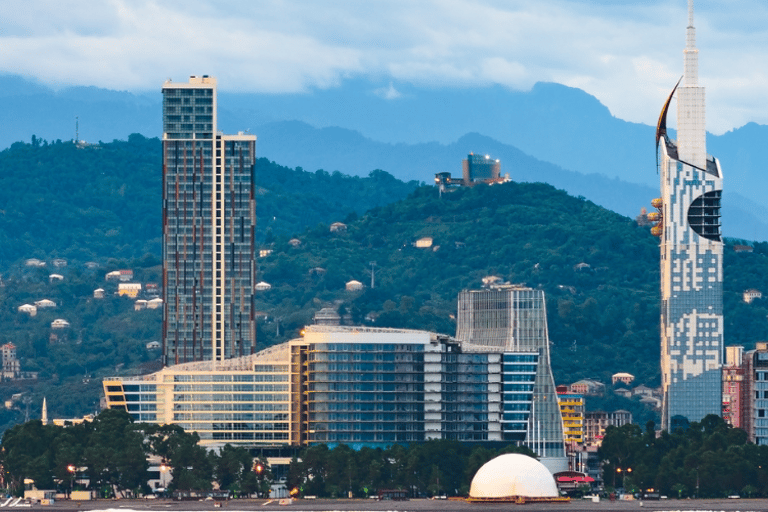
(627,53)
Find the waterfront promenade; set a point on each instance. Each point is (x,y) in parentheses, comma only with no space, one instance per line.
(361,505)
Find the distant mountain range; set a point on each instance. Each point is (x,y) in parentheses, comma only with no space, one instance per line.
(553,134)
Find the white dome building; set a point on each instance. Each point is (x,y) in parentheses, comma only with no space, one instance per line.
(513,476)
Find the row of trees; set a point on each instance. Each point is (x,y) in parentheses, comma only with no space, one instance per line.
(111,455)
(424,469)
(709,459)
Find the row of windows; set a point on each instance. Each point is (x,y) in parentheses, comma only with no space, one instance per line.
(219,388)
(512,368)
(367,347)
(232,406)
(245,397)
(244,436)
(364,417)
(378,397)
(366,377)
(365,356)
(351,427)
(229,416)
(366,387)
(367,367)
(359,437)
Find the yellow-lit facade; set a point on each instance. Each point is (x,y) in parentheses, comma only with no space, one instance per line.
(572,409)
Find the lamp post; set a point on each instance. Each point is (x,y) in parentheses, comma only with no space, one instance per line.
(72,470)
(619,471)
(164,468)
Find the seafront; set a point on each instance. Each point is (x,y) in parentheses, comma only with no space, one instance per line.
(361,505)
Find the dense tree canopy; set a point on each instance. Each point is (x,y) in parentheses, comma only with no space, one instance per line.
(710,459)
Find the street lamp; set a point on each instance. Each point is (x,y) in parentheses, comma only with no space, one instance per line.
(618,471)
(164,469)
(72,470)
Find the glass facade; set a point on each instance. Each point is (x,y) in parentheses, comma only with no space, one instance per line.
(344,385)
(209,218)
(512,319)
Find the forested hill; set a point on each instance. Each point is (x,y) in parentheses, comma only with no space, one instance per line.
(600,272)
(100,201)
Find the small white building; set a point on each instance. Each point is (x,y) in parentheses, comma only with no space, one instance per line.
(34,262)
(263,253)
(155,303)
(139,305)
(423,243)
(153,345)
(29,309)
(752,294)
(98,293)
(45,303)
(294,242)
(59,323)
(59,262)
(338,227)
(262,286)
(353,286)
(55,277)
(626,378)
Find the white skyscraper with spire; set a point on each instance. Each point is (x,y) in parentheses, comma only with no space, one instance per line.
(691,254)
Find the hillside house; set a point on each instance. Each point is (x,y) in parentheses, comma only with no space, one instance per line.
(59,323)
(588,387)
(338,227)
(752,294)
(626,378)
(28,309)
(327,316)
(294,242)
(55,277)
(131,290)
(353,286)
(423,243)
(139,305)
(152,290)
(155,303)
(34,262)
(98,293)
(262,286)
(59,262)
(45,303)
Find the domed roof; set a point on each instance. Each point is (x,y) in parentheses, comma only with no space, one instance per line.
(513,474)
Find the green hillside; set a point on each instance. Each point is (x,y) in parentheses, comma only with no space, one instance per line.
(603,316)
(102,203)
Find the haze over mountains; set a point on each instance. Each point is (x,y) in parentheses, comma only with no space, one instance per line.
(552,133)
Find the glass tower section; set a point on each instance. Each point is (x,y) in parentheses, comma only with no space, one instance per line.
(209,217)
(510,318)
(691,257)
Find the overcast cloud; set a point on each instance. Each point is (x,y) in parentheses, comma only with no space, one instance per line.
(627,53)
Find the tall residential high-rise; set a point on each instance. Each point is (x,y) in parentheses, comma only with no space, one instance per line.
(209,217)
(691,255)
(513,319)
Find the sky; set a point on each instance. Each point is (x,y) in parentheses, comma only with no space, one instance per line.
(627,53)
